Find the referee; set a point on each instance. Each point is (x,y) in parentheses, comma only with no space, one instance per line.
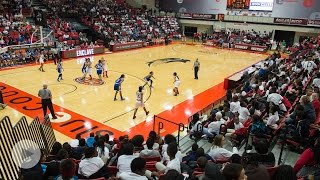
(46,96)
(196,67)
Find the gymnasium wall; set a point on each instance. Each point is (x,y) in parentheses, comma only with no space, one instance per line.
(203,25)
(138,3)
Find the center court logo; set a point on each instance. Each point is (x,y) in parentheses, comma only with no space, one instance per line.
(166,61)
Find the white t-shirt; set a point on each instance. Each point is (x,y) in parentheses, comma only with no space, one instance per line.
(221,154)
(273,119)
(74,143)
(214,127)
(89,166)
(238,126)
(234,106)
(173,164)
(149,153)
(275,98)
(131,176)
(155,146)
(105,155)
(316,82)
(244,114)
(124,162)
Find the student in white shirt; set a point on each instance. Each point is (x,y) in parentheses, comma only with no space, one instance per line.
(273,117)
(235,104)
(173,163)
(138,170)
(149,152)
(237,125)
(218,153)
(276,99)
(125,160)
(75,142)
(316,81)
(244,113)
(91,163)
(214,127)
(103,151)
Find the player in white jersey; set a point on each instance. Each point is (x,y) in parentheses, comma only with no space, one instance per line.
(176,82)
(89,68)
(85,68)
(59,69)
(41,61)
(105,68)
(139,102)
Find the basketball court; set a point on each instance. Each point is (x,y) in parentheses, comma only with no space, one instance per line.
(85,107)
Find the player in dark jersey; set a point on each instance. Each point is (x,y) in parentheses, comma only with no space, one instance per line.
(148,78)
(117,87)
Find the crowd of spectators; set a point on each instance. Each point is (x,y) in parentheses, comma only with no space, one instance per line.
(14,30)
(233,36)
(118,22)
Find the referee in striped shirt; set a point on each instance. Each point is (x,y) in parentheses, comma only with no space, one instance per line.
(196,67)
(46,96)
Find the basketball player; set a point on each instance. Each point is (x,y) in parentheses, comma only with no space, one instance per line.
(89,68)
(148,78)
(59,69)
(140,102)
(99,68)
(105,68)
(41,61)
(117,87)
(85,68)
(176,82)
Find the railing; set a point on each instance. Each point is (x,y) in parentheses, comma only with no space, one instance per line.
(157,127)
(41,133)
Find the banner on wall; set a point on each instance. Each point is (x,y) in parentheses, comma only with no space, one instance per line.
(197,16)
(293,21)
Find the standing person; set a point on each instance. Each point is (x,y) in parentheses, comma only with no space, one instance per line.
(148,78)
(41,61)
(105,67)
(140,102)
(55,55)
(196,67)
(89,68)
(46,96)
(117,87)
(84,68)
(59,69)
(176,82)
(99,68)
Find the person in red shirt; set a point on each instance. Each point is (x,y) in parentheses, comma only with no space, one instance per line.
(308,159)
(316,103)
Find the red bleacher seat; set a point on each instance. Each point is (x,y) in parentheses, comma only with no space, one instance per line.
(113,170)
(152,159)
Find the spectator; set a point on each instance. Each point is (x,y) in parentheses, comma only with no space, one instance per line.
(253,170)
(244,113)
(68,170)
(153,135)
(103,151)
(262,155)
(217,152)
(75,142)
(125,160)
(192,155)
(305,165)
(284,172)
(211,172)
(150,152)
(234,172)
(173,163)
(55,148)
(316,103)
(91,164)
(214,127)
(138,170)
(90,140)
